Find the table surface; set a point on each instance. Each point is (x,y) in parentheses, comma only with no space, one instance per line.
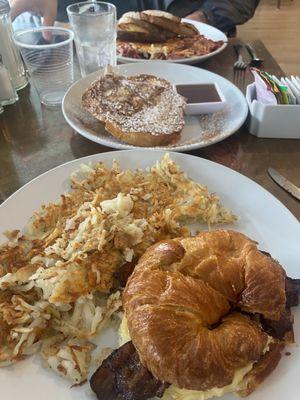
(34,139)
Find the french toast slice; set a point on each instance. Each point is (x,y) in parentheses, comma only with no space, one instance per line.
(134,28)
(188,29)
(169,22)
(142,110)
(160,14)
(139,37)
(142,37)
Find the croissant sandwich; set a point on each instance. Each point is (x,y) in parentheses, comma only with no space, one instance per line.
(204,316)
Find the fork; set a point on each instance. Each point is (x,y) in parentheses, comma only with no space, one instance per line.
(240,67)
(240,64)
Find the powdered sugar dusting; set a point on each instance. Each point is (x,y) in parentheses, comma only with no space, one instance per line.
(156,120)
(139,104)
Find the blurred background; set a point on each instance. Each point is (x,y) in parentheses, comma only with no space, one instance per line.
(279,29)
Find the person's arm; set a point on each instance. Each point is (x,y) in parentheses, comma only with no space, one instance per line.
(225,14)
(45,8)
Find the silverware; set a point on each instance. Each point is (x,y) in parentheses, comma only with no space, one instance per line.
(255,60)
(240,64)
(240,67)
(284,183)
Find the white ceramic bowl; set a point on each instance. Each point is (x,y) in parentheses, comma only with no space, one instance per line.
(202,98)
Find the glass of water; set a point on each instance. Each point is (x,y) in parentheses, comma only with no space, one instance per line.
(94,26)
(48,56)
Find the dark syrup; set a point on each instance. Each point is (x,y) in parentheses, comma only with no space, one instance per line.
(202,93)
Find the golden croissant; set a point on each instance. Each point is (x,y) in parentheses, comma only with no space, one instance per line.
(201,308)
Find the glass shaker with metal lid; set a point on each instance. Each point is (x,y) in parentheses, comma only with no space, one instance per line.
(10,54)
(8,95)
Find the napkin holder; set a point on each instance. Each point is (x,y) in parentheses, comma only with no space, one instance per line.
(272,121)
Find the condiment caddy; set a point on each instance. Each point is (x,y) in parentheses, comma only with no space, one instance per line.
(274,106)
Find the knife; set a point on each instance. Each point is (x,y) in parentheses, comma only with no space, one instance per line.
(284,183)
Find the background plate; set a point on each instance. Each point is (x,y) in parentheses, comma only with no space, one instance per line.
(261,216)
(207,30)
(199,131)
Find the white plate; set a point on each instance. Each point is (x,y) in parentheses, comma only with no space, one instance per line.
(199,131)
(262,217)
(207,30)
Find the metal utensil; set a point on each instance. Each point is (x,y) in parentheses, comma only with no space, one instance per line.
(240,68)
(240,64)
(255,60)
(284,183)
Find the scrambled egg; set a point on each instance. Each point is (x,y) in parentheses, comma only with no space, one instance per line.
(57,279)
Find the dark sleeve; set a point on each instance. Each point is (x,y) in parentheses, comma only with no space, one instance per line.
(62,9)
(226,14)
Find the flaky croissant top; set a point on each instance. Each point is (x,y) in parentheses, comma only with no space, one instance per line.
(183,304)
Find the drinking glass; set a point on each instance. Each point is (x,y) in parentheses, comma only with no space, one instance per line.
(48,56)
(94,26)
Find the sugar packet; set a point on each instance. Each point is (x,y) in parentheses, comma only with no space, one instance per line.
(264,92)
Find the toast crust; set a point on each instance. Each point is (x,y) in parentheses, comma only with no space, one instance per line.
(161,14)
(142,139)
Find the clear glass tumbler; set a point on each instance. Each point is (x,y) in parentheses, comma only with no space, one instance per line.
(48,56)
(94,26)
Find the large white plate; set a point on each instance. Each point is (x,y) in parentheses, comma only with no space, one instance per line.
(207,30)
(262,217)
(199,131)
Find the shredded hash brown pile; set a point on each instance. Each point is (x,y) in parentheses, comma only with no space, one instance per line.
(58,286)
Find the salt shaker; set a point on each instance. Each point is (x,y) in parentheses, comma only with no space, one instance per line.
(8,94)
(10,54)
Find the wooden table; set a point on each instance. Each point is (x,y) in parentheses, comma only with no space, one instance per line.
(35,138)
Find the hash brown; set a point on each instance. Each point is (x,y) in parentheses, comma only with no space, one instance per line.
(57,277)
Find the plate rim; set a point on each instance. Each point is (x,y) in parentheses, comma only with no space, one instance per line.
(91,157)
(188,60)
(180,148)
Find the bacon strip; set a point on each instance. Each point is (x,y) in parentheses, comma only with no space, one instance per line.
(122,377)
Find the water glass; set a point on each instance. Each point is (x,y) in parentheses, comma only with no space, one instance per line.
(48,56)
(94,26)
